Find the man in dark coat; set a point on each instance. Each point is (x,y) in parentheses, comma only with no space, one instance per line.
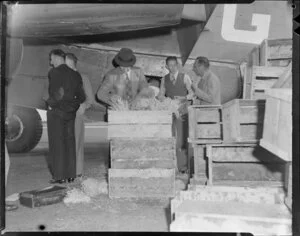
(64,98)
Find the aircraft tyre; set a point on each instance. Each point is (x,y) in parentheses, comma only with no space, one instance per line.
(23,129)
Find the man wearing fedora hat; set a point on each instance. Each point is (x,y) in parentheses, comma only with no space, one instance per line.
(125,81)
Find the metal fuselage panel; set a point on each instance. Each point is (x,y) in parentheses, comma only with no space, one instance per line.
(27,84)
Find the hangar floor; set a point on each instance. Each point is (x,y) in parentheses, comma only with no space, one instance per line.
(29,172)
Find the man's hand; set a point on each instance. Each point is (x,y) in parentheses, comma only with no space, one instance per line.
(81,109)
(160,98)
(114,98)
(190,96)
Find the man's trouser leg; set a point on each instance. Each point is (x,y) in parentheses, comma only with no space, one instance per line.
(70,150)
(56,133)
(79,137)
(181,142)
(7,164)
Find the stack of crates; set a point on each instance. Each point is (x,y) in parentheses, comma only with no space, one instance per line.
(143,154)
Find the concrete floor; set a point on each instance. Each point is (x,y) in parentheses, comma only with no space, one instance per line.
(29,172)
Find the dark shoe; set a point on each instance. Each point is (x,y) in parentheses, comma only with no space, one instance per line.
(71,180)
(10,207)
(61,181)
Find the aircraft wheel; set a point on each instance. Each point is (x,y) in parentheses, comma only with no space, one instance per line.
(23,129)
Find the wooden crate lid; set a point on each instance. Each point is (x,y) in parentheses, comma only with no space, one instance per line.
(139,117)
(244,102)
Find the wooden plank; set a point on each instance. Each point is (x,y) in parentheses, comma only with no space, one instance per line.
(243,154)
(280,51)
(285,128)
(255,212)
(200,165)
(143,164)
(245,183)
(192,122)
(205,141)
(287,75)
(262,84)
(251,103)
(271,120)
(139,117)
(274,149)
(140,131)
(259,94)
(238,189)
(281,94)
(251,132)
(263,53)
(279,62)
(135,149)
(201,223)
(208,115)
(288,200)
(243,195)
(210,164)
(265,71)
(147,183)
(248,171)
(252,114)
(206,131)
(230,118)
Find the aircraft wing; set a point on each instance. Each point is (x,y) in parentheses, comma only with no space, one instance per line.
(57,20)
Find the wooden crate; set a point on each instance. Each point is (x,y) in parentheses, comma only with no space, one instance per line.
(205,124)
(139,124)
(144,183)
(133,153)
(243,162)
(277,133)
(260,195)
(243,120)
(276,52)
(210,216)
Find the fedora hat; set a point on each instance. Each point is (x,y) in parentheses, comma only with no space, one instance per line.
(125,57)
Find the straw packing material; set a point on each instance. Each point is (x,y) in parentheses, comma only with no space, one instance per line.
(76,196)
(93,187)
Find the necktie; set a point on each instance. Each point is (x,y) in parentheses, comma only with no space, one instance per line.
(173,79)
(128,92)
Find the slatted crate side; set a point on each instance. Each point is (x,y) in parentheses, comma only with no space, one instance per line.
(243,162)
(277,133)
(132,148)
(242,153)
(275,50)
(200,162)
(139,117)
(143,153)
(248,171)
(146,183)
(205,124)
(243,120)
